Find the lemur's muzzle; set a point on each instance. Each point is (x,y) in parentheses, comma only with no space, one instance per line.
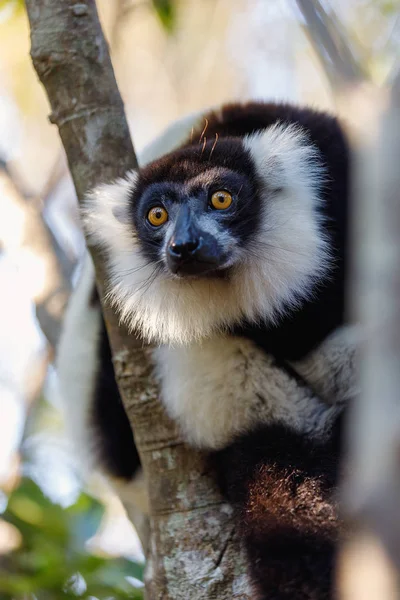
(190,250)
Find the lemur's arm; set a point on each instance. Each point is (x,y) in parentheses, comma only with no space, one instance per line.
(331,369)
(226,386)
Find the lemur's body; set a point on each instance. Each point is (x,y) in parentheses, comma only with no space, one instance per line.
(230,253)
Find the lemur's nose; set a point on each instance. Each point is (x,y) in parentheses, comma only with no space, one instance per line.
(185,239)
(191,251)
(184,248)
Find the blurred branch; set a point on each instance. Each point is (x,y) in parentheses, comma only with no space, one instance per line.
(48,288)
(330,42)
(393,81)
(371,490)
(122,10)
(57,172)
(51,297)
(371,487)
(75,69)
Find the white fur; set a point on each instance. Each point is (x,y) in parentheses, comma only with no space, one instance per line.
(332,368)
(226,385)
(77,366)
(291,250)
(77,363)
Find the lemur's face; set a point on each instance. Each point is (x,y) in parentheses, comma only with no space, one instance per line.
(195,218)
(212,234)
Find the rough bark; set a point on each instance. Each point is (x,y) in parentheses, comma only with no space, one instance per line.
(193,548)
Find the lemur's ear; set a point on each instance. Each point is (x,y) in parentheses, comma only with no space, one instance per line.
(286,158)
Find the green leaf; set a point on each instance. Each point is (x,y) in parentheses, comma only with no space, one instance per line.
(110,574)
(53,552)
(389,8)
(166,12)
(32,512)
(9,8)
(84,518)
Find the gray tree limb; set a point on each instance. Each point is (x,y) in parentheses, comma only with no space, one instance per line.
(371,490)
(51,298)
(371,486)
(329,40)
(193,548)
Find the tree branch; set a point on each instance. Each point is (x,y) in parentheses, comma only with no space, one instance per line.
(192,551)
(329,41)
(52,296)
(371,488)
(372,493)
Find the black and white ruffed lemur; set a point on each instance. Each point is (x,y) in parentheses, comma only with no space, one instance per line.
(227,250)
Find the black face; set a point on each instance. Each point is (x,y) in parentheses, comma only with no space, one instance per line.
(197,208)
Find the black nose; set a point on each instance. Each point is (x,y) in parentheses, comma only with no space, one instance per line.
(182,252)
(191,251)
(183,248)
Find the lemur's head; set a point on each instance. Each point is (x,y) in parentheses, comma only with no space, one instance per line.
(194,217)
(212,233)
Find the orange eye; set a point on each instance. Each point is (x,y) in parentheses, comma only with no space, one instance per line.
(157,216)
(221,200)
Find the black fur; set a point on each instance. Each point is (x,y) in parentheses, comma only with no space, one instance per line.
(114,438)
(283,487)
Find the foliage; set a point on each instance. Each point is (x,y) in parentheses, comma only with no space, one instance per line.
(13,4)
(387,7)
(166,12)
(52,562)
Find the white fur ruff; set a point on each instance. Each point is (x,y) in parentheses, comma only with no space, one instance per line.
(289,254)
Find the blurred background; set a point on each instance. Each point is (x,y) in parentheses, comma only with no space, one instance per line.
(170,58)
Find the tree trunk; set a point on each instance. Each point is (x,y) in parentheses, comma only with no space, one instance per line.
(193,548)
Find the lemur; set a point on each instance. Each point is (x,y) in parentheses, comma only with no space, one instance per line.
(227,250)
